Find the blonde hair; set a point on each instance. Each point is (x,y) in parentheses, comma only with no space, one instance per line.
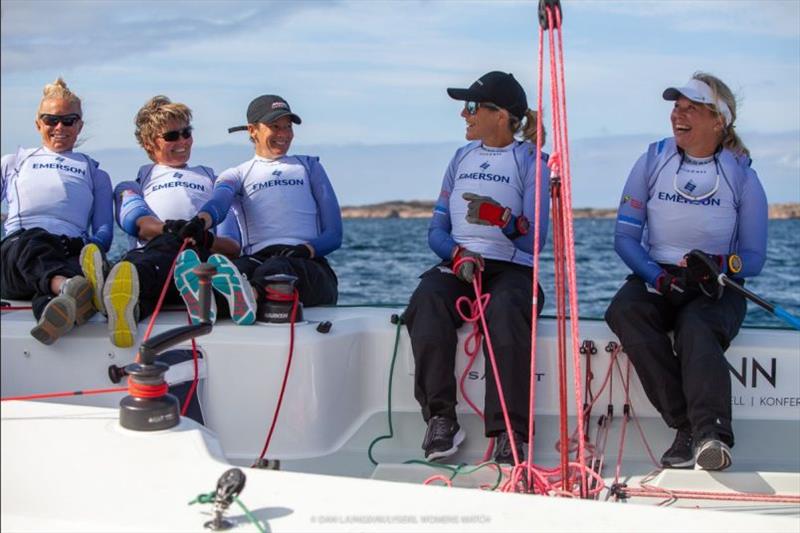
(526,128)
(154,116)
(720,91)
(58,90)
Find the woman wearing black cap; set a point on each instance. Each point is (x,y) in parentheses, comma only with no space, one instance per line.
(289,215)
(483,212)
(704,212)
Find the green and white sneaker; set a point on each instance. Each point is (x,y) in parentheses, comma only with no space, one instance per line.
(95,269)
(188,285)
(233,285)
(121,299)
(57,319)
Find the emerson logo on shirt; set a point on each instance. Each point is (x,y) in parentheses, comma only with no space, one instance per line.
(172,184)
(60,165)
(484,176)
(276,183)
(678,199)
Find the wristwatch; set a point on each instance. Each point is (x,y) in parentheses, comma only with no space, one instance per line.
(734,264)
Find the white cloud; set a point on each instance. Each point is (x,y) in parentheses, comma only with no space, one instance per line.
(776,18)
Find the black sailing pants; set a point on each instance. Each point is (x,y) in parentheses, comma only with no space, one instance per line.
(153,262)
(433,321)
(690,386)
(316,282)
(30,258)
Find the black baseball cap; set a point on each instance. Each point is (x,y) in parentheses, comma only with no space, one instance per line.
(267,108)
(498,88)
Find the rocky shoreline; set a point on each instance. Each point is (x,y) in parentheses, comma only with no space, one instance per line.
(424,208)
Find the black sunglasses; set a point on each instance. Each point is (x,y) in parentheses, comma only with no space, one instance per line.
(172,136)
(66,120)
(472,107)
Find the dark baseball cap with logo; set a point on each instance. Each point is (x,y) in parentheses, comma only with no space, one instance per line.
(498,88)
(267,108)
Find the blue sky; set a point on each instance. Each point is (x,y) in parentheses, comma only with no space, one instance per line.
(375,73)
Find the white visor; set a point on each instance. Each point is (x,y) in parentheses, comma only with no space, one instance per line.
(698,91)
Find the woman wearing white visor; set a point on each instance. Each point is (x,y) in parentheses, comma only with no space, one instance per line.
(692,207)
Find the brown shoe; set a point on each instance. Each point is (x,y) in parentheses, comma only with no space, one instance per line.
(56,320)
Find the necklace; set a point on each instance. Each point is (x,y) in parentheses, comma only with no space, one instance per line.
(688,195)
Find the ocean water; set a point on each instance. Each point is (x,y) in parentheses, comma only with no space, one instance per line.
(381,259)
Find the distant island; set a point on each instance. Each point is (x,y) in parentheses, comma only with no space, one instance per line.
(424,208)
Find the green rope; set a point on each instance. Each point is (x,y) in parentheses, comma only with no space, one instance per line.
(256,522)
(389,416)
(209,498)
(461,469)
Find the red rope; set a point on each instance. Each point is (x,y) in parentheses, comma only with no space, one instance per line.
(141,390)
(563,243)
(87,392)
(535,275)
(295,297)
(195,378)
(163,294)
(16,308)
(649,491)
(472,344)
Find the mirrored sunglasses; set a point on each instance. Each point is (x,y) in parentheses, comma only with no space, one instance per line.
(472,107)
(53,120)
(174,135)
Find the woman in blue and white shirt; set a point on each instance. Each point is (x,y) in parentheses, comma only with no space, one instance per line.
(58,201)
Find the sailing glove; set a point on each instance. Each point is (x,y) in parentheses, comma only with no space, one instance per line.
(465,263)
(173,227)
(72,245)
(704,269)
(486,211)
(196,230)
(666,284)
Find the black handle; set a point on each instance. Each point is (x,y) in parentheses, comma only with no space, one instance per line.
(152,347)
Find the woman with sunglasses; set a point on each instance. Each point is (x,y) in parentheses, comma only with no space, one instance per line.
(692,208)
(289,213)
(154,210)
(58,201)
(483,225)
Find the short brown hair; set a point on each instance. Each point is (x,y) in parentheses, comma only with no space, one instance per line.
(154,115)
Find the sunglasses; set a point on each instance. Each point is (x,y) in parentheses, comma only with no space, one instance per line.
(472,107)
(66,120)
(174,135)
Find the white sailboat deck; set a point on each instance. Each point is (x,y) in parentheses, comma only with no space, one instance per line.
(67,465)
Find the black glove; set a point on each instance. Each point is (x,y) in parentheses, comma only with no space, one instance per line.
(287,250)
(666,283)
(704,269)
(174,227)
(72,245)
(465,271)
(196,230)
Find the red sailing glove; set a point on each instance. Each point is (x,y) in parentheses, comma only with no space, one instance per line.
(485,210)
(465,262)
(667,283)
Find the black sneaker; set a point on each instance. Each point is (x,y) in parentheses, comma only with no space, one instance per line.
(442,438)
(502,451)
(712,454)
(681,453)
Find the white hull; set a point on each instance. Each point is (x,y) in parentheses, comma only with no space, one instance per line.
(67,465)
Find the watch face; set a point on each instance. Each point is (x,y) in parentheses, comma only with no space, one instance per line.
(735,263)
